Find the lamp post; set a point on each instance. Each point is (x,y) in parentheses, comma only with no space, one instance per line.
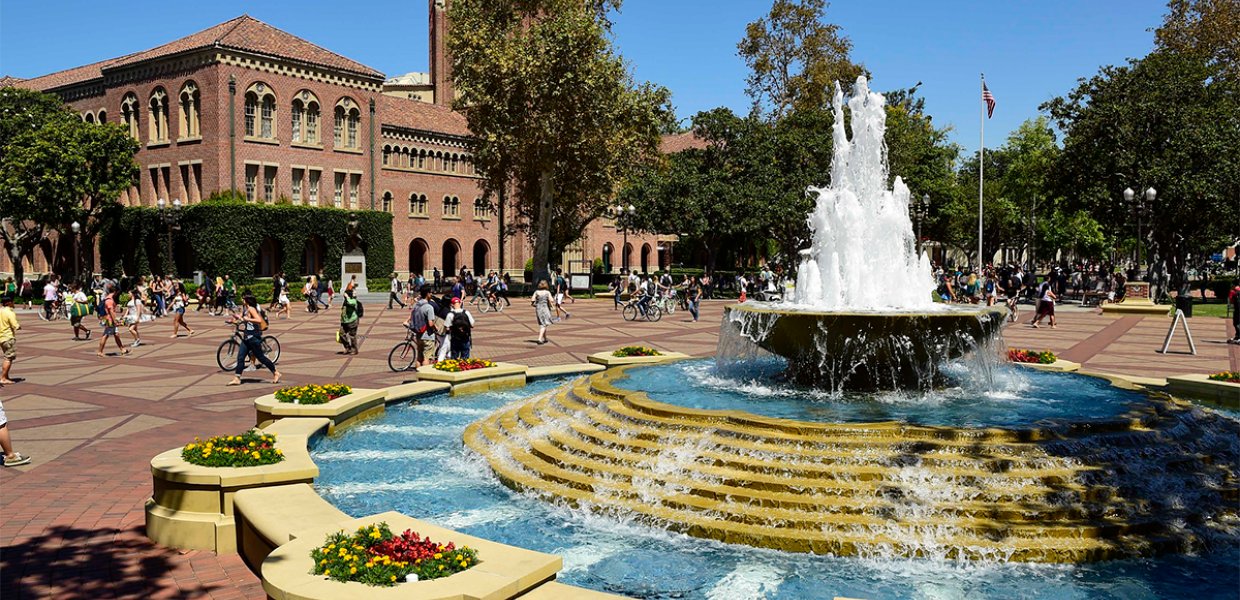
(172,222)
(921,208)
(1140,207)
(624,216)
(77,250)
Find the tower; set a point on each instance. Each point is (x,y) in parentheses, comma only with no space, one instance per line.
(440,65)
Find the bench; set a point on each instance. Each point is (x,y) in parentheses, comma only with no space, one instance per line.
(268,516)
(1094,296)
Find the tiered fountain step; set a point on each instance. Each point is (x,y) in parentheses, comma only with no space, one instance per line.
(1043,494)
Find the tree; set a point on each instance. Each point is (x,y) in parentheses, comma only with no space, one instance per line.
(55,169)
(553,109)
(1170,121)
(1210,28)
(794,58)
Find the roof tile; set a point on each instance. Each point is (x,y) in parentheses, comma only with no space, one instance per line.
(401,112)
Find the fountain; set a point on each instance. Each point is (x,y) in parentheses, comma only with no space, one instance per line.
(915,464)
(863,316)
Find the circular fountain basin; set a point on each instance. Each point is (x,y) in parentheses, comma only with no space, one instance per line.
(866,350)
(412,460)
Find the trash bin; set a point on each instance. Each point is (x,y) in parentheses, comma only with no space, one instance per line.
(1184,302)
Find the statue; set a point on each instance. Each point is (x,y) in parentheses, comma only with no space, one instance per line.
(354,230)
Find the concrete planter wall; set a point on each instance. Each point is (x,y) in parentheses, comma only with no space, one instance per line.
(1201,386)
(1059,366)
(192,506)
(360,404)
(502,375)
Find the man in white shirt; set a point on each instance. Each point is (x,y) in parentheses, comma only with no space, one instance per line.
(394,295)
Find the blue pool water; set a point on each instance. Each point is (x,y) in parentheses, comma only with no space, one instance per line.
(412,460)
(1010,397)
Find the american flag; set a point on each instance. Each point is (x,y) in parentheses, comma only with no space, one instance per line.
(989,99)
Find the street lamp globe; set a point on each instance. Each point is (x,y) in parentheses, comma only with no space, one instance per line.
(161,203)
(925,200)
(1150,194)
(76,227)
(176,203)
(1128,195)
(632,209)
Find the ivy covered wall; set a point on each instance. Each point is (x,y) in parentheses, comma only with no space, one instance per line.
(224,238)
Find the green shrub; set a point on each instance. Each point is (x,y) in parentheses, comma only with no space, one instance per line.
(225,235)
(1221,286)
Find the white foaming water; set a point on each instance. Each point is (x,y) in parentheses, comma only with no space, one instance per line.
(863,253)
(748,581)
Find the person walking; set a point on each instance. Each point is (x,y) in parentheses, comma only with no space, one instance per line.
(394,293)
(27,293)
(694,297)
(252,340)
(311,292)
(8,342)
(351,312)
(220,298)
(542,309)
(422,321)
(460,326)
(110,321)
(230,292)
(283,305)
(561,290)
(137,306)
(157,296)
(10,288)
(616,287)
(1234,300)
(1046,302)
(179,300)
(79,309)
(443,306)
(12,458)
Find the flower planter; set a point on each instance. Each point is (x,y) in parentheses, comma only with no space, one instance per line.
(1200,386)
(192,507)
(607,359)
(502,375)
(345,409)
(503,571)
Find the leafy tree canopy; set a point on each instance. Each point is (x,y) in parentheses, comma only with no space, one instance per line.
(1210,28)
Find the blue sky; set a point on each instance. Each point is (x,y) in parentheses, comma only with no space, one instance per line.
(1030,51)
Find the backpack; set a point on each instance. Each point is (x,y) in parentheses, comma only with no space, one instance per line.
(101,309)
(262,314)
(461,331)
(442,306)
(418,322)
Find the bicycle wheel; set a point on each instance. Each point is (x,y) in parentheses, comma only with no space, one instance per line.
(669,307)
(485,306)
(402,357)
(226,356)
(653,314)
(271,347)
(499,305)
(629,312)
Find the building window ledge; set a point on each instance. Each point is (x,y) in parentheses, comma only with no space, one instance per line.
(258,140)
(451,218)
(348,150)
(482,219)
(159,144)
(418,216)
(306,145)
(189,140)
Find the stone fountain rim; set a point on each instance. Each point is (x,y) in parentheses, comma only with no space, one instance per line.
(781,308)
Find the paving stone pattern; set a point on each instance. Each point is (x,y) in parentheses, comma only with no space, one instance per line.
(72,523)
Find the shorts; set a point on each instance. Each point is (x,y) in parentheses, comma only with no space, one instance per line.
(108,330)
(4,419)
(559,299)
(1046,308)
(180,310)
(9,349)
(75,321)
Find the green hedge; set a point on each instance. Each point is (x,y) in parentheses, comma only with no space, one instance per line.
(1221,286)
(225,238)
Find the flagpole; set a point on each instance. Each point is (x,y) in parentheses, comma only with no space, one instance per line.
(981,179)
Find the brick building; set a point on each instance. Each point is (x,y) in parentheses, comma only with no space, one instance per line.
(246,106)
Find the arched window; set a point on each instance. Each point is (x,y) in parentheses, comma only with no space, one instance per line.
(452,207)
(312,256)
(348,119)
(482,211)
(190,127)
(453,167)
(88,117)
(268,258)
(387,201)
(305,118)
(422,159)
(260,112)
(417,204)
(608,251)
(158,124)
(103,116)
(129,114)
(387,153)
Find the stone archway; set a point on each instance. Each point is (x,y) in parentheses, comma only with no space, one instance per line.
(482,251)
(451,253)
(417,256)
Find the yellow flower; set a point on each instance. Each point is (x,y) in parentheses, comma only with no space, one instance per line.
(440,567)
(438,556)
(393,578)
(352,570)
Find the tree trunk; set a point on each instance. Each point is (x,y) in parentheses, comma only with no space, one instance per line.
(542,229)
(19,244)
(15,256)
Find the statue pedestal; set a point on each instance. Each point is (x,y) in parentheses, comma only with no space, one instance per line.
(353,263)
(1136,301)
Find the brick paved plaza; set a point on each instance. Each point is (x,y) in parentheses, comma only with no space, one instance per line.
(73,519)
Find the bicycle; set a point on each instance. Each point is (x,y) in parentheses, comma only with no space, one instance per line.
(666,304)
(404,356)
(60,310)
(492,302)
(226,355)
(651,311)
